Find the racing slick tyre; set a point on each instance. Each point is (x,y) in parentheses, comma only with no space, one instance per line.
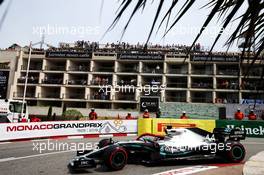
(236,153)
(115,158)
(104,142)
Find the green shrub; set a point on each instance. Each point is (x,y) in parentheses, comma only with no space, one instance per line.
(71,114)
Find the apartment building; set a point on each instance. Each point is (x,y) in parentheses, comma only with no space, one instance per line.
(116,78)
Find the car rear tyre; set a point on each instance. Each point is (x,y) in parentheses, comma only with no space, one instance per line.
(236,153)
(115,158)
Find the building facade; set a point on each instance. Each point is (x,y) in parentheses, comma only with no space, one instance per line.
(116,78)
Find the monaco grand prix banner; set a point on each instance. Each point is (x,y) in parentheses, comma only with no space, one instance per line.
(13,131)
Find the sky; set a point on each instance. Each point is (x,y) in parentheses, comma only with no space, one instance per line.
(72,20)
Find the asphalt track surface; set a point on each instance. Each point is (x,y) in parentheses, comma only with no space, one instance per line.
(24,158)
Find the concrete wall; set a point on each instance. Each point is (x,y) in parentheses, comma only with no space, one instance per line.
(197,111)
(101,112)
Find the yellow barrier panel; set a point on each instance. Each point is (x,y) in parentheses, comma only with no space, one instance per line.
(144,126)
(158,125)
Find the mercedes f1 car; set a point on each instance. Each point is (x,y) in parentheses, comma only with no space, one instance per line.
(177,144)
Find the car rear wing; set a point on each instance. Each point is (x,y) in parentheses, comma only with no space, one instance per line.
(230,134)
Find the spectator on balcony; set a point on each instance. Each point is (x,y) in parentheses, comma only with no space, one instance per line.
(184,116)
(239,115)
(146,114)
(129,116)
(93,115)
(252,115)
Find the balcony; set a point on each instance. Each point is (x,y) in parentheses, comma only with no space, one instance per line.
(52,81)
(152,70)
(79,68)
(32,67)
(99,96)
(125,97)
(49,95)
(130,69)
(176,85)
(233,72)
(101,81)
(21,94)
(30,80)
(175,99)
(4,66)
(202,85)
(74,95)
(228,84)
(103,69)
(55,68)
(76,82)
(201,100)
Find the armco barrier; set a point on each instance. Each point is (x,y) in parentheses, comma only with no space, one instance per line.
(156,126)
(252,128)
(16,131)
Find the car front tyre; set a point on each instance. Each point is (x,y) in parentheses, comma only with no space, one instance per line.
(115,158)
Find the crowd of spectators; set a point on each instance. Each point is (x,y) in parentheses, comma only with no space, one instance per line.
(202,85)
(100,81)
(128,82)
(228,84)
(31,79)
(100,95)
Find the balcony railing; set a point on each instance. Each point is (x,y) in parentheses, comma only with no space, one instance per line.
(31,67)
(20,94)
(129,69)
(233,86)
(127,83)
(152,83)
(227,72)
(202,85)
(175,99)
(49,95)
(177,85)
(103,69)
(202,72)
(100,97)
(201,100)
(226,100)
(55,68)
(152,70)
(177,71)
(4,66)
(126,97)
(74,95)
(52,81)
(79,68)
(76,82)
(30,80)
(101,82)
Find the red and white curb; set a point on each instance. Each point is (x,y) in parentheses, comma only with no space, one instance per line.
(194,169)
(70,137)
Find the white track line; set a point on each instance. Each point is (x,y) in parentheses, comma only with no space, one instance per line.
(75,137)
(32,156)
(2,143)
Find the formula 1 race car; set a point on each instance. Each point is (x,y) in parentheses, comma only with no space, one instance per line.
(177,144)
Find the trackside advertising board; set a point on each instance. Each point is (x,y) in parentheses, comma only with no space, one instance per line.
(252,128)
(156,126)
(13,131)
